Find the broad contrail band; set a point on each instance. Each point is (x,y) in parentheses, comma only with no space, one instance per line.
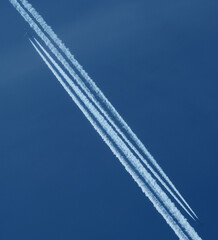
(50,32)
(112,110)
(110,132)
(124,149)
(128,168)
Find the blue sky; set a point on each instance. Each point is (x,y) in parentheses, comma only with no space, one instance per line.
(157,63)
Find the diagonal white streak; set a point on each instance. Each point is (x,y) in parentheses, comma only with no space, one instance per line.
(126,152)
(101,96)
(140,183)
(109,130)
(105,114)
(83,86)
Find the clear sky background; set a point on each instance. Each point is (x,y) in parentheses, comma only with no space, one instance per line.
(157,62)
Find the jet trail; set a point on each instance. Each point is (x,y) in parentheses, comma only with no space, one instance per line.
(109,106)
(50,32)
(113,135)
(127,153)
(126,140)
(128,168)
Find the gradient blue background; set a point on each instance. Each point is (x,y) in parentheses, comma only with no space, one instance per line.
(157,63)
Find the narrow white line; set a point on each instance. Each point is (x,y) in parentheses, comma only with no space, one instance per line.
(126,140)
(140,183)
(99,93)
(122,146)
(125,150)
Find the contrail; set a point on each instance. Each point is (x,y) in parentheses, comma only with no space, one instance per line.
(140,183)
(50,32)
(101,96)
(127,153)
(127,141)
(120,144)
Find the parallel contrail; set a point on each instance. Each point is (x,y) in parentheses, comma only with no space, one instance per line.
(126,140)
(117,140)
(51,33)
(140,183)
(101,96)
(127,153)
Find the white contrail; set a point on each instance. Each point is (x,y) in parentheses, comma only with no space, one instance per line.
(51,33)
(122,146)
(125,139)
(140,183)
(127,153)
(91,83)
